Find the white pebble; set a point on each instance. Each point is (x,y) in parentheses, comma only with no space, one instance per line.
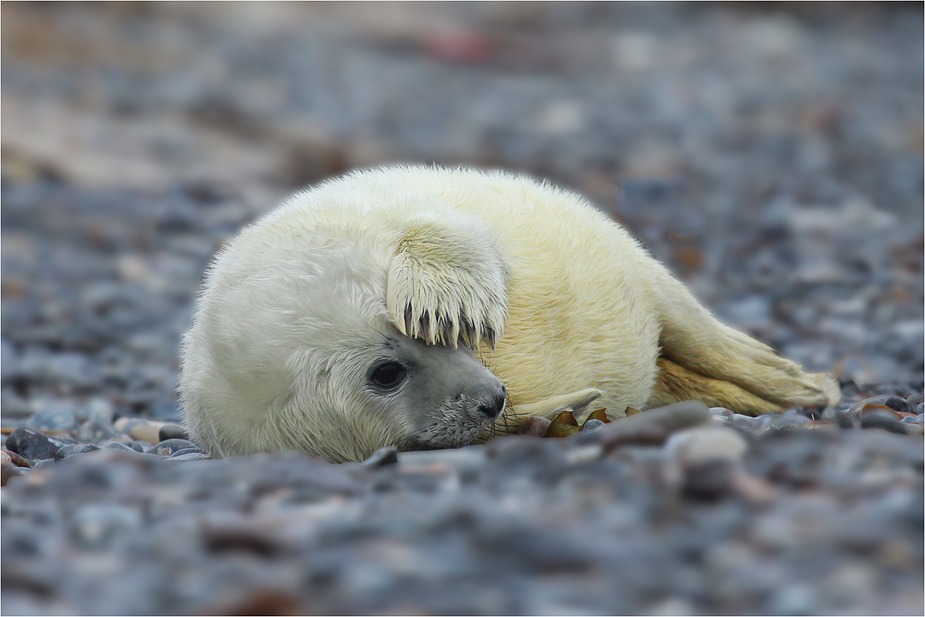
(699,445)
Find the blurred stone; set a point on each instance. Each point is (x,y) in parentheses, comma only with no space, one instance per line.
(534,426)
(8,359)
(700,445)
(188,455)
(892,401)
(592,425)
(709,478)
(94,525)
(382,457)
(55,416)
(7,471)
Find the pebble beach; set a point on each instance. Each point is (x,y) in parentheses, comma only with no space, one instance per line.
(771,156)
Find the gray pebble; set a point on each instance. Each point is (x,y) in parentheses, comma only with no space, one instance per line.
(115,445)
(887,400)
(843,419)
(72,449)
(592,425)
(55,416)
(183,451)
(33,445)
(8,359)
(794,599)
(459,458)
(188,455)
(780,421)
(172,431)
(650,427)
(382,457)
(882,419)
(95,430)
(744,424)
(170,446)
(675,417)
(99,410)
(94,525)
(709,479)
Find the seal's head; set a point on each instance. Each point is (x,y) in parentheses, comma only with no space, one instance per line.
(317,334)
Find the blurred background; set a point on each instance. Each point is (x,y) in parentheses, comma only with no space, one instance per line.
(771,154)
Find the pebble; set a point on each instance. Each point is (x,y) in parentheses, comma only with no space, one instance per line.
(115,445)
(8,359)
(874,416)
(7,471)
(188,455)
(534,426)
(172,431)
(95,525)
(649,427)
(32,445)
(709,478)
(55,416)
(184,451)
(890,401)
(139,429)
(94,430)
(700,445)
(16,459)
(170,446)
(382,457)
(440,460)
(592,425)
(72,449)
(743,423)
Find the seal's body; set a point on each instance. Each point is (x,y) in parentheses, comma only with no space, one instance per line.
(346,320)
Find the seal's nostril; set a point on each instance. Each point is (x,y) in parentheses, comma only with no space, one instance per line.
(500,400)
(494,408)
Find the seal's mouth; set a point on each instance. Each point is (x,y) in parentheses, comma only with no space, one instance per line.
(454,425)
(443,436)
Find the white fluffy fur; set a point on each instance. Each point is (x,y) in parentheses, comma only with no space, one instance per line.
(565,298)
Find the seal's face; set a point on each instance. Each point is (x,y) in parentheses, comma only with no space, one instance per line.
(445,397)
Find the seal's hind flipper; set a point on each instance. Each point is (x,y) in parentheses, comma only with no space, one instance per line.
(715,354)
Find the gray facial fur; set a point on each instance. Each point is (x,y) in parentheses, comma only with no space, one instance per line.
(447,398)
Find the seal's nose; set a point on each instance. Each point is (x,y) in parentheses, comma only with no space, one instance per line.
(493,407)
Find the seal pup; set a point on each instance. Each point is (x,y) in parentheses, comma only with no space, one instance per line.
(421,307)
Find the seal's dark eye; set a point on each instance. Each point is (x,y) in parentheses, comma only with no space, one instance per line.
(387,375)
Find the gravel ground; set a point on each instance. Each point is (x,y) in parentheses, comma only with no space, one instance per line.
(773,157)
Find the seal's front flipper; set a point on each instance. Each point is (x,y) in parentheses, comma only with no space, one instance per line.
(448,282)
(549,408)
(516,421)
